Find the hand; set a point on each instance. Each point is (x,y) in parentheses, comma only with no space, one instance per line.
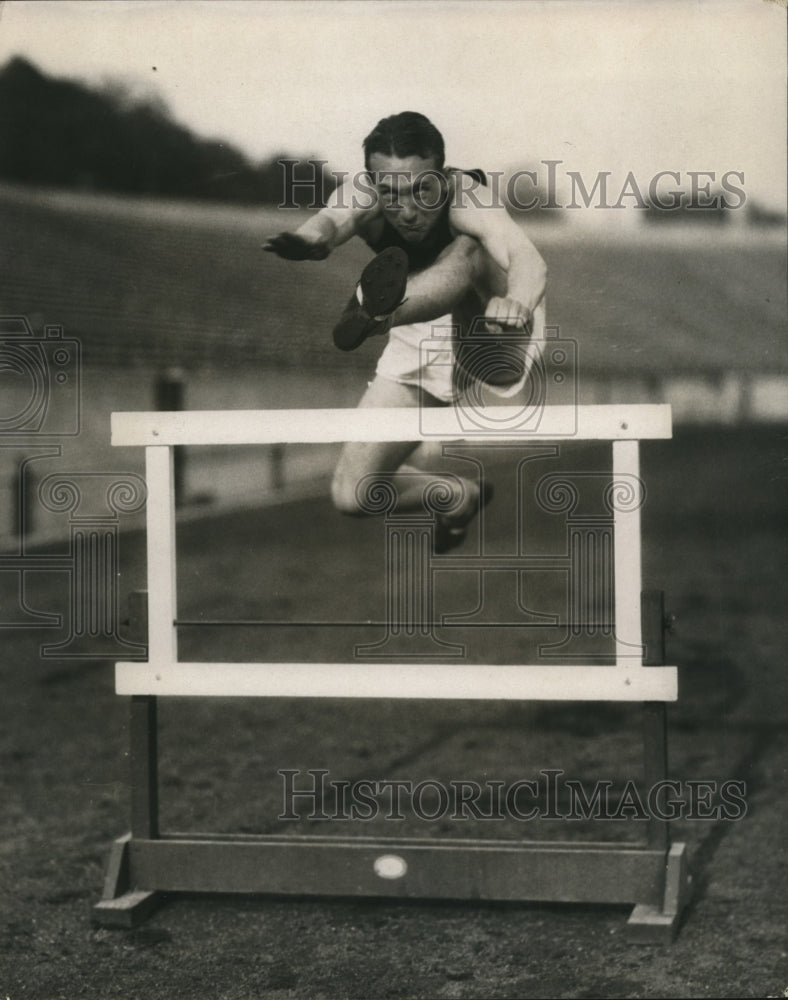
(291,246)
(506,314)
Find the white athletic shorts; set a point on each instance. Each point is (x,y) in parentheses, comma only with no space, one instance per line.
(422,355)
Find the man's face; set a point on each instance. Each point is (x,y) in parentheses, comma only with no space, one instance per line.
(411,191)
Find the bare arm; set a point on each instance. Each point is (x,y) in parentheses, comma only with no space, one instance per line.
(346,213)
(509,247)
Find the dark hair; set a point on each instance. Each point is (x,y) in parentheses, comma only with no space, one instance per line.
(405,134)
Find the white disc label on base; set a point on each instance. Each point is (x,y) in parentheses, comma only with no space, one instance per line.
(390,866)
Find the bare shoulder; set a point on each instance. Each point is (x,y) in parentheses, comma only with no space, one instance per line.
(354,198)
(473,206)
(353,210)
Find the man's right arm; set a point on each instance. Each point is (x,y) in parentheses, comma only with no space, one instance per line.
(344,216)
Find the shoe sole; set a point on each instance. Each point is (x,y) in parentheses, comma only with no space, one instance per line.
(383,282)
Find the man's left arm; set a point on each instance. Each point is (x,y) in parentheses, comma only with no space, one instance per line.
(514,253)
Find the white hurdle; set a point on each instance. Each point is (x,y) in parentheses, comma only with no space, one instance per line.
(148,862)
(163,674)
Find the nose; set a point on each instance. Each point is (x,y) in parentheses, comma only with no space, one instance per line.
(409,212)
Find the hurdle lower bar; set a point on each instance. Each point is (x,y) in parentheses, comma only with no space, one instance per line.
(147,863)
(437,869)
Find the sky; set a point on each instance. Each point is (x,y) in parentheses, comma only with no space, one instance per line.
(600,85)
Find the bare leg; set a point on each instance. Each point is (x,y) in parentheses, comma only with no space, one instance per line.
(438,289)
(386,460)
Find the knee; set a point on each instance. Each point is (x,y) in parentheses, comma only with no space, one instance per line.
(343,495)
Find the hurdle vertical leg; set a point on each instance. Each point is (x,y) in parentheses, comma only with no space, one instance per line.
(626,552)
(143,732)
(162,634)
(123,904)
(648,923)
(655,720)
(162,637)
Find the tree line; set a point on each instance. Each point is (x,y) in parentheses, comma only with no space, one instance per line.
(64,133)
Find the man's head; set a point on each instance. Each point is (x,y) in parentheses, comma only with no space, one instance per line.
(403,135)
(404,156)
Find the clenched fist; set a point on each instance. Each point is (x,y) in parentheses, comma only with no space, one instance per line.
(291,246)
(506,314)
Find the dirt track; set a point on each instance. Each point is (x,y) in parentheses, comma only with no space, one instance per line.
(715,530)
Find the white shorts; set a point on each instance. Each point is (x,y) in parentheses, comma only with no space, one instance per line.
(422,355)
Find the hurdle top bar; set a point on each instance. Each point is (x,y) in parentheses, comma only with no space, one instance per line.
(312,426)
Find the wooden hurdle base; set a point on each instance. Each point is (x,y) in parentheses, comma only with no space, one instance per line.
(408,869)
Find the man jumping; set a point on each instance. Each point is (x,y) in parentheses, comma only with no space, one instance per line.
(446,258)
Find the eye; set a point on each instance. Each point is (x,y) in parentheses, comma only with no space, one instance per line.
(428,193)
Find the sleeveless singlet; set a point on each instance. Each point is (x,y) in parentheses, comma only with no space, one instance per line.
(422,255)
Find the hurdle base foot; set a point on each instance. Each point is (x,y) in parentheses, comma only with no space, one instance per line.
(127,911)
(649,924)
(121,905)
